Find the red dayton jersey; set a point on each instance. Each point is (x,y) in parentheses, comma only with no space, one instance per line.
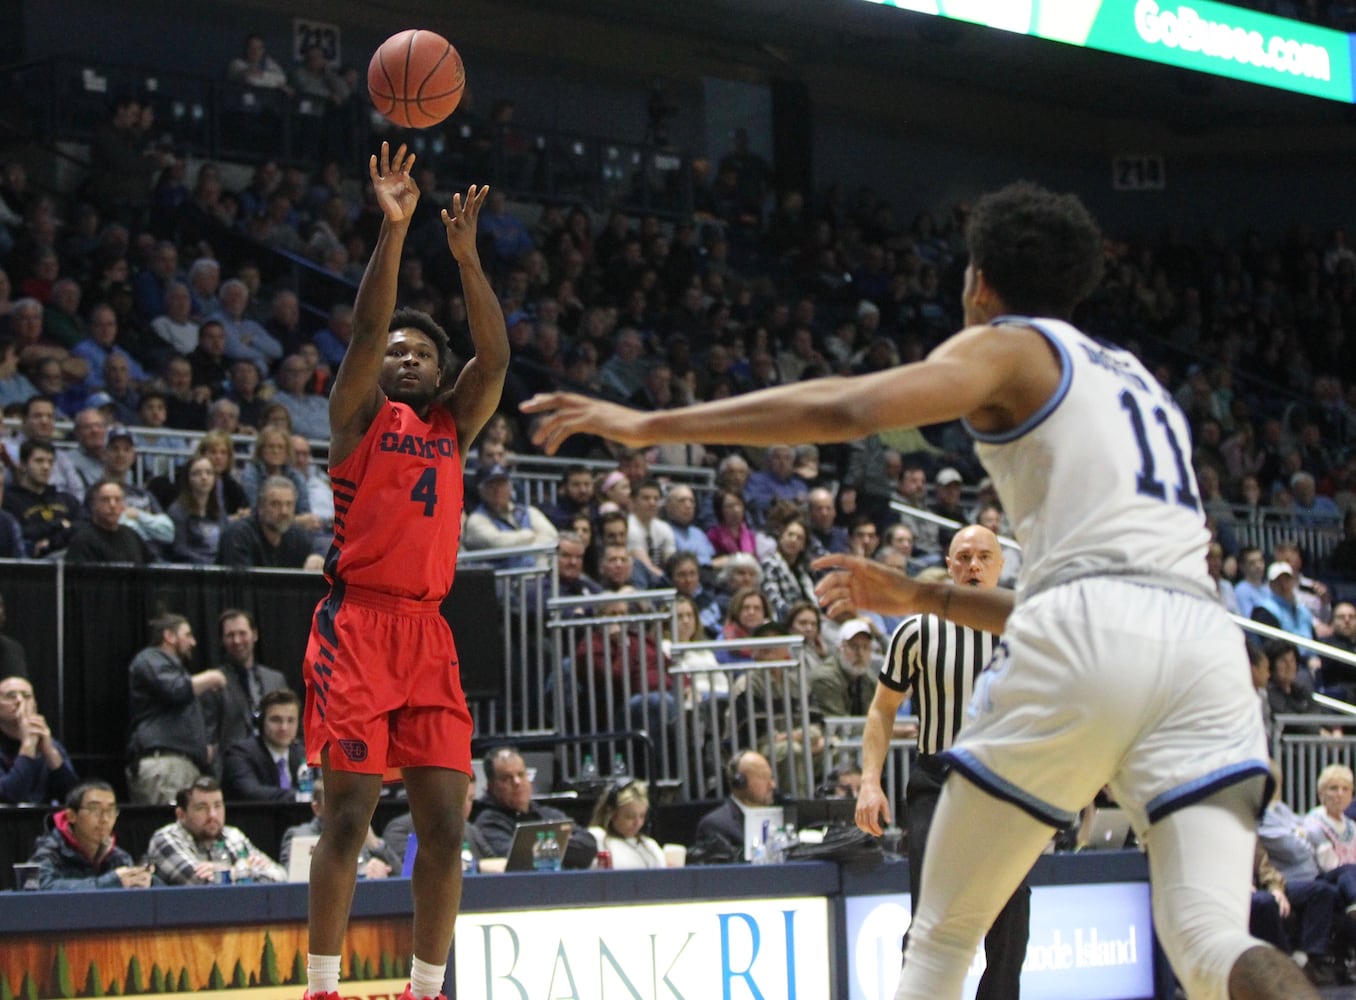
(397,506)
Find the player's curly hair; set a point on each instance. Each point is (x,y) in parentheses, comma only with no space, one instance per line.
(1040,251)
(415,319)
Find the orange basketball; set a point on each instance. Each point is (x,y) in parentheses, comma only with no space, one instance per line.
(416,78)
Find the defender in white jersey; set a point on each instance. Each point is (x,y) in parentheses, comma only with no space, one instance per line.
(1117,665)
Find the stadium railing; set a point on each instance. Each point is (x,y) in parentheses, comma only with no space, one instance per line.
(843,745)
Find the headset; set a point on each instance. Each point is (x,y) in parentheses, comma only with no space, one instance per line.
(733,776)
(615,791)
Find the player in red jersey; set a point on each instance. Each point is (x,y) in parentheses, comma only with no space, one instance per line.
(383,686)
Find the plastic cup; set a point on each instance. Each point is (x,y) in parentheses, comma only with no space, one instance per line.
(675,855)
(26,877)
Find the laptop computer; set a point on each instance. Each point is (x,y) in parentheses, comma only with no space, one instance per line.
(299,859)
(1107,830)
(525,836)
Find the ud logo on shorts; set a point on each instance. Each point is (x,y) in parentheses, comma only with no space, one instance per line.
(355,750)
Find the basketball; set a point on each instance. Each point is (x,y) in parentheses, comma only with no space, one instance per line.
(416,78)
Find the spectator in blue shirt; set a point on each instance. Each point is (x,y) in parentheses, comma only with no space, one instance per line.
(1252,589)
(825,534)
(153,281)
(1281,608)
(14,386)
(777,481)
(310,413)
(680,511)
(245,338)
(332,342)
(34,766)
(509,233)
(683,570)
(1310,509)
(102,342)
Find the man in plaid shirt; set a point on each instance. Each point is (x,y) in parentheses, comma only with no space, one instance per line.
(185,852)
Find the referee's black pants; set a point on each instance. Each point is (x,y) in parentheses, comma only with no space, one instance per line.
(1005,944)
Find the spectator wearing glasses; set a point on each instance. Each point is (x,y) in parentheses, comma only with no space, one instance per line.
(508,802)
(80,851)
(34,766)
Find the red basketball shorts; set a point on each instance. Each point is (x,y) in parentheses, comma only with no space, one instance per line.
(383,686)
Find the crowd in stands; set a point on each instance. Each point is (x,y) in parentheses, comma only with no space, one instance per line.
(197,399)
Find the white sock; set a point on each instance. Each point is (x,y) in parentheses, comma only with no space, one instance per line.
(322,974)
(426,979)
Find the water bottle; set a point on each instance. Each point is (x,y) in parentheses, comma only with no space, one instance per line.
(760,854)
(589,770)
(222,862)
(411,849)
(240,870)
(546,853)
(305,784)
(468,860)
(619,769)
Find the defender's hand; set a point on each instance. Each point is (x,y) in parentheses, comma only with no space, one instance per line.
(567,413)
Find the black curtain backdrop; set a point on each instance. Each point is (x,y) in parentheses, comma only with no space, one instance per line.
(101,614)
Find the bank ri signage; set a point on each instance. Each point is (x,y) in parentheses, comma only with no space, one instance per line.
(729,950)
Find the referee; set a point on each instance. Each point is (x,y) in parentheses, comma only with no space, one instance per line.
(940,661)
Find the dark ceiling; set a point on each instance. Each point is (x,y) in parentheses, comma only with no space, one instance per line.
(827,37)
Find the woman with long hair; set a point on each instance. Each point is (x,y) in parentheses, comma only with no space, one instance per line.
(218,447)
(749,608)
(273,457)
(786,572)
(197,514)
(687,627)
(276,415)
(618,824)
(803,619)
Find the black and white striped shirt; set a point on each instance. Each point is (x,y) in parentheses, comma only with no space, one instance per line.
(941,660)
